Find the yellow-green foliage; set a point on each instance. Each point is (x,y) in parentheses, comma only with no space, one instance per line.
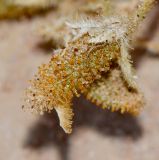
(97,45)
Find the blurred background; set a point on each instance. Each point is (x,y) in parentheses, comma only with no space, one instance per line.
(28,35)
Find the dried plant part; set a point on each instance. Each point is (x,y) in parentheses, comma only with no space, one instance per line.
(69,73)
(16,8)
(34,3)
(97,7)
(148,36)
(56,32)
(59,34)
(97,45)
(112,92)
(141,13)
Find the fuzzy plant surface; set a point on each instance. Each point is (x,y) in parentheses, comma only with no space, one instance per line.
(112,92)
(98,44)
(16,8)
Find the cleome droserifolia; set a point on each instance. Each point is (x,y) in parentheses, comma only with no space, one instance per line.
(97,45)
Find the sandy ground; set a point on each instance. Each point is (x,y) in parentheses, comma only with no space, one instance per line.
(97,134)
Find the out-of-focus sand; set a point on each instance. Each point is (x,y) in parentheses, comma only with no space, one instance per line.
(97,134)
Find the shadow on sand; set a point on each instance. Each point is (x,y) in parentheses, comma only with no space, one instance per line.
(47,131)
